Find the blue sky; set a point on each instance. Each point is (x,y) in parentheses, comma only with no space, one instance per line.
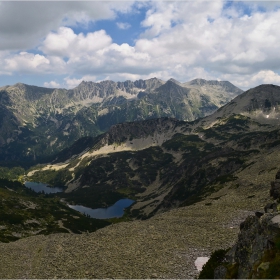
(71,41)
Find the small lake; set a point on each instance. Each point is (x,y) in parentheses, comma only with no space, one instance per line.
(39,187)
(114,211)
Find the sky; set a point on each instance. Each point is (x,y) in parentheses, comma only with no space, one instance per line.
(60,44)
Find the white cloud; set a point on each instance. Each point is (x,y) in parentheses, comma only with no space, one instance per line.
(221,45)
(27,62)
(24,23)
(65,43)
(123,25)
(52,84)
(182,39)
(266,77)
(252,80)
(73,82)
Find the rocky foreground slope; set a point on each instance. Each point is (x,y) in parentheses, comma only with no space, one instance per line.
(164,246)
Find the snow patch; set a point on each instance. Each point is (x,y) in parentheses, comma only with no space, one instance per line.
(199,262)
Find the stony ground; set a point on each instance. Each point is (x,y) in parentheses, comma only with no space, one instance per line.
(165,246)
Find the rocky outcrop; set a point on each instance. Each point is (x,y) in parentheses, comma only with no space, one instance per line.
(257,249)
(257,236)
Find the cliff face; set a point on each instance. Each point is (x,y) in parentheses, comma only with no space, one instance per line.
(256,248)
(257,251)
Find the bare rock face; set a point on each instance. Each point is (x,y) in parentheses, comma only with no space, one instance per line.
(220,272)
(258,235)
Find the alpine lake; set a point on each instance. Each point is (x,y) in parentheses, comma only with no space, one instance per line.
(114,211)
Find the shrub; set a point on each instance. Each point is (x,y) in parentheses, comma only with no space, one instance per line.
(216,259)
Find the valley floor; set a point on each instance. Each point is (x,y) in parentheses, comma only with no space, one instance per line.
(165,246)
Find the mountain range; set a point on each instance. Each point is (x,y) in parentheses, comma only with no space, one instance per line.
(193,183)
(165,163)
(37,122)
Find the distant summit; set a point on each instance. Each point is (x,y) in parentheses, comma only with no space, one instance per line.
(174,81)
(261,103)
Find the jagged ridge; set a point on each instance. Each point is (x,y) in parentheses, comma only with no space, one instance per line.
(44,121)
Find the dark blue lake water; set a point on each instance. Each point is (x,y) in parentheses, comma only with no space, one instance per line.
(114,211)
(39,187)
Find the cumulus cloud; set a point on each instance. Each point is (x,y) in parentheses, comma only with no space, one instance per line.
(252,80)
(73,82)
(202,36)
(65,43)
(52,84)
(181,39)
(24,23)
(27,62)
(266,77)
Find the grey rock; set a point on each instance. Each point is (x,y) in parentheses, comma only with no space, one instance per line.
(270,208)
(220,272)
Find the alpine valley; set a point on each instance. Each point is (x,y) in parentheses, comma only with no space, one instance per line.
(197,158)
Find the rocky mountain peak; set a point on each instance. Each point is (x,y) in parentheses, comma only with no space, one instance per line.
(261,103)
(174,81)
(92,108)
(20,85)
(171,83)
(199,82)
(202,82)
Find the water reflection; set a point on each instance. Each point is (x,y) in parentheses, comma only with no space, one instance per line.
(114,211)
(41,187)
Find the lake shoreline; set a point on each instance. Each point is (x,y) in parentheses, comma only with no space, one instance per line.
(114,211)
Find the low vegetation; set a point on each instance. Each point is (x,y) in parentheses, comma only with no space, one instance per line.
(24,213)
(11,173)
